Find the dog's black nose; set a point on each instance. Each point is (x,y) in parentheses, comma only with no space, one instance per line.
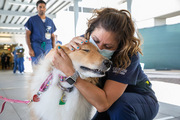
(107,63)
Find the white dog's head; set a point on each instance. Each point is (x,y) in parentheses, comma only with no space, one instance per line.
(88,61)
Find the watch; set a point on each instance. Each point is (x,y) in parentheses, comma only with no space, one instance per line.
(72,79)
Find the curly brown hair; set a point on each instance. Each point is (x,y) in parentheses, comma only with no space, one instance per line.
(120,23)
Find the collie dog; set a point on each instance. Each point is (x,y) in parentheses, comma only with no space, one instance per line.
(59,100)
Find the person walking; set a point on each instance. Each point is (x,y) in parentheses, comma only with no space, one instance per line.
(20,58)
(15,65)
(3,60)
(40,36)
(7,61)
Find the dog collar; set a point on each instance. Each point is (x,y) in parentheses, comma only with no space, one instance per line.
(63,79)
(69,89)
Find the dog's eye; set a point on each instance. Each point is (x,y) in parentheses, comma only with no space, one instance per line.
(85,50)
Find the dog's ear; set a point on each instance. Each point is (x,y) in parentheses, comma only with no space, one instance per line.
(49,56)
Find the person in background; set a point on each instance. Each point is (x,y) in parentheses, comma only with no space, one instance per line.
(3,60)
(125,92)
(20,58)
(57,41)
(7,61)
(40,36)
(15,66)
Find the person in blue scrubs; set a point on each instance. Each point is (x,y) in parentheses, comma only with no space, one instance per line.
(20,58)
(40,36)
(15,66)
(125,92)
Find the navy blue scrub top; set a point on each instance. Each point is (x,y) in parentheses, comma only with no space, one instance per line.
(38,28)
(133,75)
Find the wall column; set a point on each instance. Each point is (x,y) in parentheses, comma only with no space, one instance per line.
(76,15)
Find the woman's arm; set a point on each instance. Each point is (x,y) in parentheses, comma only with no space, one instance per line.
(28,41)
(101,99)
(53,40)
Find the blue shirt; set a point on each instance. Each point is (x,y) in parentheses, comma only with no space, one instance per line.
(38,28)
(133,75)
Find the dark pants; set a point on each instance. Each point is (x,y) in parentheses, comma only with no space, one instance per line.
(3,65)
(131,106)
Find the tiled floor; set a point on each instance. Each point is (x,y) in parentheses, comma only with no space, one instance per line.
(13,86)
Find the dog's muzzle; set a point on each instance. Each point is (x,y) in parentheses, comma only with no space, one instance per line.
(107,63)
(105,66)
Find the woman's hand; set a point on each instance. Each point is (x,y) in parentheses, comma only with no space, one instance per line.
(73,44)
(62,62)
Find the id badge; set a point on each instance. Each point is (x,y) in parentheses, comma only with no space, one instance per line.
(48,35)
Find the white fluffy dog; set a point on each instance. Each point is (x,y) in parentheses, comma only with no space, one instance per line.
(59,100)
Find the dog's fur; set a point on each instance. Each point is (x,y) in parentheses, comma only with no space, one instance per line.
(76,106)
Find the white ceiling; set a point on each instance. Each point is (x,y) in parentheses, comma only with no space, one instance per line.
(15,13)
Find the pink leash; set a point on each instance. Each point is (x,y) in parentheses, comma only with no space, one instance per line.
(12,101)
(42,88)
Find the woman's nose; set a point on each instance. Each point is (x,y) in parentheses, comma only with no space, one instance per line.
(100,46)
